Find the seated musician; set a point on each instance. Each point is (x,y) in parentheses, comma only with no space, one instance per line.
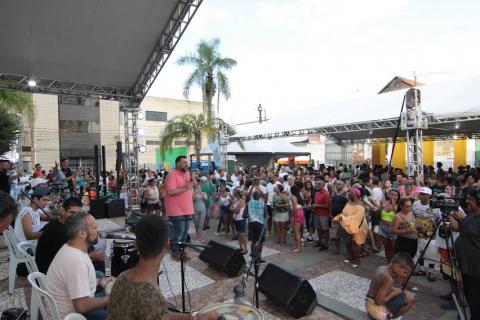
(71,276)
(384,301)
(53,235)
(136,294)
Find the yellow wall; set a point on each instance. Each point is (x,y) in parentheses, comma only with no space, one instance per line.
(399,159)
(459,153)
(428,153)
(378,153)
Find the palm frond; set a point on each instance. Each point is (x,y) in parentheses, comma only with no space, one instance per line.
(194,77)
(225,63)
(223,85)
(9,129)
(17,102)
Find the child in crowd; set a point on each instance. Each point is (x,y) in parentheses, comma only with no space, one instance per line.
(257,212)
(384,301)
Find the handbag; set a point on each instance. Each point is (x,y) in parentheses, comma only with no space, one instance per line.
(14,314)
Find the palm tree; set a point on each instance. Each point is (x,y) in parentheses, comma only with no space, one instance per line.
(17,102)
(208,73)
(189,127)
(9,129)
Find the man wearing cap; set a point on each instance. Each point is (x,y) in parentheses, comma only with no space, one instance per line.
(27,223)
(426,218)
(4,178)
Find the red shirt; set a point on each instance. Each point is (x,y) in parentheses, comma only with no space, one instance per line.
(37,173)
(322,197)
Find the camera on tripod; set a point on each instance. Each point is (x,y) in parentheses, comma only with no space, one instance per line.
(445,204)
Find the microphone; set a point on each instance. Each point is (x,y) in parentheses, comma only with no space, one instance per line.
(118,236)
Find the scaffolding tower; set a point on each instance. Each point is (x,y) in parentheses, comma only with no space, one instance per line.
(130,110)
(414,121)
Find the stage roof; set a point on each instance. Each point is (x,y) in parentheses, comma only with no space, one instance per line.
(278,147)
(116,45)
(453,107)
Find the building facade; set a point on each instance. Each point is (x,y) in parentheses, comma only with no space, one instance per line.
(70,127)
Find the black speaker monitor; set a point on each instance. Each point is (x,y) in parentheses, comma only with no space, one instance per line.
(288,290)
(97,207)
(224,258)
(115,208)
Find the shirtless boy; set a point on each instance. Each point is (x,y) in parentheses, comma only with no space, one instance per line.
(384,301)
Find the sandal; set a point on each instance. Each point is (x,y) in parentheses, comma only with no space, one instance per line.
(243,252)
(419,273)
(296,250)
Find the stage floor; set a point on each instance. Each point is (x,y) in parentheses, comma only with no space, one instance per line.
(341,287)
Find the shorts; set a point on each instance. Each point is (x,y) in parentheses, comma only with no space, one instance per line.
(384,231)
(380,312)
(280,217)
(298,216)
(335,231)
(241,226)
(321,222)
(255,232)
(153,206)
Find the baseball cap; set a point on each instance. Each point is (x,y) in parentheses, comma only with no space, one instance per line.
(40,191)
(426,190)
(4,159)
(203,179)
(37,181)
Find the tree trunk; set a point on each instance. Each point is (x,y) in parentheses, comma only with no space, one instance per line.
(198,146)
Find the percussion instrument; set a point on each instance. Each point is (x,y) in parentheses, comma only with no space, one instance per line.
(426,227)
(232,311)
(124,256)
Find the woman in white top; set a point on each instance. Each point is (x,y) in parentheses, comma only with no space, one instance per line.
(238,207)
(152,195)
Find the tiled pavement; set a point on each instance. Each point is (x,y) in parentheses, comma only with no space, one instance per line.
(327,273)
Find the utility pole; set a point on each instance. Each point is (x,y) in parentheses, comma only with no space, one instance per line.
(260,109)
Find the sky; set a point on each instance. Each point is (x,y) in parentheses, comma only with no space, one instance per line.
(299,54)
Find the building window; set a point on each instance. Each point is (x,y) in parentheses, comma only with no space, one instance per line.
(66,126)
(155,116)
(152,142)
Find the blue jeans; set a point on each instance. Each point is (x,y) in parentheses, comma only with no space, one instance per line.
(179,230)
(99,314)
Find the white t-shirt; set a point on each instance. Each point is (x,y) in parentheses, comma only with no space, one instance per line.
(18,230)
(71,275)
(261,188)
(270,187)
(377,194)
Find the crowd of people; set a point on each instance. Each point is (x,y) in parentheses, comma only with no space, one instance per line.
(362,208)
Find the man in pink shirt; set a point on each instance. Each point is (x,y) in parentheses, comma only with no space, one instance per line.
(179,202)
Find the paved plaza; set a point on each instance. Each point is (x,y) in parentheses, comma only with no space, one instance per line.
(340,288)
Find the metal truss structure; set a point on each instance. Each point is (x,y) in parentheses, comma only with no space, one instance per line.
(381,130)
(129,98)
(222,141)
(60,87)
(176,26)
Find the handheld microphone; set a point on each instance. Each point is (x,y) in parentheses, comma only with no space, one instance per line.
(110,235)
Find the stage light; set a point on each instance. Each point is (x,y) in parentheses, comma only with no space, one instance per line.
(455,137)
(142,148)
(140,131)
(457,125)
(32,83)
(370,132)
(140,116)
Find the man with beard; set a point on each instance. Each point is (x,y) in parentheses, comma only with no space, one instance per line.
(71,276)
(179,203)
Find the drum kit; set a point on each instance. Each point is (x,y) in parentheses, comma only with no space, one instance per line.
(124,256)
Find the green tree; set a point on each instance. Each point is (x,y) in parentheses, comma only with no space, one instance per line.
(17,102)
(209,73)
(189,127)
(9,128)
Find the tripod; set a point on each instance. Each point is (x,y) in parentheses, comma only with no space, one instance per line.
(458,295)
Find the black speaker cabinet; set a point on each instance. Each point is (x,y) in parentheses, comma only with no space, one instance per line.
(290,291)
(97,208)
(115,208)
(223,258)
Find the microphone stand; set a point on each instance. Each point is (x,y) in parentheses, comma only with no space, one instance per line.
(50,218)
(183,260)
(239,289)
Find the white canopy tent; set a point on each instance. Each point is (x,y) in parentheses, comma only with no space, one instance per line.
(454,107)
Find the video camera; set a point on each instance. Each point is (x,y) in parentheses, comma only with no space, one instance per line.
(445,204)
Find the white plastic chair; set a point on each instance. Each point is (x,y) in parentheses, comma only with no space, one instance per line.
(31,267)
(46,303)
(16,257)
(75,316)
